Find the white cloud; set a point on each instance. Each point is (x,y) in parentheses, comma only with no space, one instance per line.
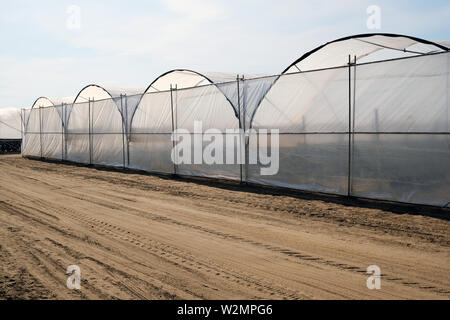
(198,10)
(131,48)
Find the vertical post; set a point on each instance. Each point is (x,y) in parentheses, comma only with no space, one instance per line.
(22,130)
(62,131)
(127,131)
(246,136)
(241,138)
(173,130)
(354,96)
(353,127)
(175,115)
(448,88)
(349,123)
(40,130)
(65,132)
(175,109)
(123,130)
(90,132)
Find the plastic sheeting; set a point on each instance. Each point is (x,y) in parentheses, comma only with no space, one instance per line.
(108,133)
(375,130)
(402,137)
(78,126)
(366,48)
(209,106)
(150,141)
(52,135)
(10,124)
(181,79)
(311,112)
(31,143)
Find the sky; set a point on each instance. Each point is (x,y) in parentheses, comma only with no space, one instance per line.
(55,48)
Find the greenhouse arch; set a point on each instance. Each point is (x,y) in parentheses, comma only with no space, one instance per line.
(367,128)
(47,102)
(364,37)
(44,116)
(41,102)
(186,78)
(198,97)
(96,93)
(96,130)
(367,51)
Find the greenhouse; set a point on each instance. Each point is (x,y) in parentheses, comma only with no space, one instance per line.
(365,116)
(10,124)
(210,98)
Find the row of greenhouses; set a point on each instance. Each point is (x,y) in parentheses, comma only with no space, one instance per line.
(365,116)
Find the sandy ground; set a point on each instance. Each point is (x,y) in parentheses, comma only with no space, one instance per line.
(139,236)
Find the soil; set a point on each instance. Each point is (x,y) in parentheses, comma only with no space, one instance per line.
(140,236)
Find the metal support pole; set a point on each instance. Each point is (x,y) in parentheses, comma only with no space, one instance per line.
(40,130)
(90,133)
(65,132)
(175,115)
(353,125)
(62,132)
(173,130)
(246,136)
(448,89)
(354,96)
(92,130)
(240,131)
(127,130)
(22,130)
(349,125)
(123,131)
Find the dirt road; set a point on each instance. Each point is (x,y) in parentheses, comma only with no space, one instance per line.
(146,237)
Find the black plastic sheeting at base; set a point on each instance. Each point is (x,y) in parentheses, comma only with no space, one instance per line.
(8,146)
